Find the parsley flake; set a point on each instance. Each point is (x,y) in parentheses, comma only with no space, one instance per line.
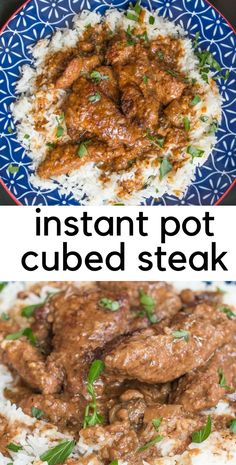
(109,304)
(165,167)
(94,97)
(204,433)
(58,454)
(181,334)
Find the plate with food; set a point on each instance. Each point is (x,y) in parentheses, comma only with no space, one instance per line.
(117,103)
(117,373)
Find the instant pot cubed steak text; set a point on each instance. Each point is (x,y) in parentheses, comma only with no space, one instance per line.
(126,366)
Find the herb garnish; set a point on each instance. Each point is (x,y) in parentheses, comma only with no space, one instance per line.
(94,418)
(213,127)
(145,79)
(160,54)
(194,151)
(156,423)
(207,61)
(222,380)
(230,314)
(204,433)
(27,332)
(195,101)
(114,462)
(13,169)
(151,20)
(150,443)
(60,129)
(131,16)
(94,97)
(82,150)
(36,412)
(165,167)
(181,334)
(2,285)
(50,145)
(5,316)
(10,130)
(58,454)
(204,118)
(143,36)
(129,36)
(186,123)
(28,311)
(97,76)
(109,304)
(232,426)
(14,447)
(156,140)
(172,73)
(26,136)
(148,306)
(137,9)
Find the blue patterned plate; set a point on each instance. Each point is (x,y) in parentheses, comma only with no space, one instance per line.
(39,18)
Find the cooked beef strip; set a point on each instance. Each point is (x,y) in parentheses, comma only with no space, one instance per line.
(30,364)
(166,300)
(201,388)
(75,68)
(158,358)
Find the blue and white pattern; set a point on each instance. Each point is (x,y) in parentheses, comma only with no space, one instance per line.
(40,18)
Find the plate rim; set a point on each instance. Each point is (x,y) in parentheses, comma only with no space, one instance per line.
(2,183)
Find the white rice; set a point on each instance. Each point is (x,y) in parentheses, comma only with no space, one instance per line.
(36,436)
(85,181)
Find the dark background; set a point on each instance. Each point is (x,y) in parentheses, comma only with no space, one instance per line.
(227,8)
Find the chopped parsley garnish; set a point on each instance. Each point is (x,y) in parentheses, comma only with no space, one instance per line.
(36,412)
(204,433)
(181,334)
(131,16)
(222,380)
(143,36)
(165,167)
(204,118)
(27,332)
(50,145)
(5,316)
(13,169)
(60,131)
(156,423)
(156,140)
(97,76)
(186,123)
(28,311)
(151,20)
(2,285)
(94,97)
(213,127)
(82,150)
(172,73)
(109,304)
(160,54)
(207,62)
(26,136)
(148,306)
(129,37)
(232,426)
(230,314)
(196,39)
(91,415)
(194,151)
(58,454)
(195,101)
(150,443)
(145,79)
(137,8)
(10,463)
(10,130)
(114,462)
(14,447)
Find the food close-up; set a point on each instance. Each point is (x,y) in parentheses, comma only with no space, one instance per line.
(117,373)
(111,105)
